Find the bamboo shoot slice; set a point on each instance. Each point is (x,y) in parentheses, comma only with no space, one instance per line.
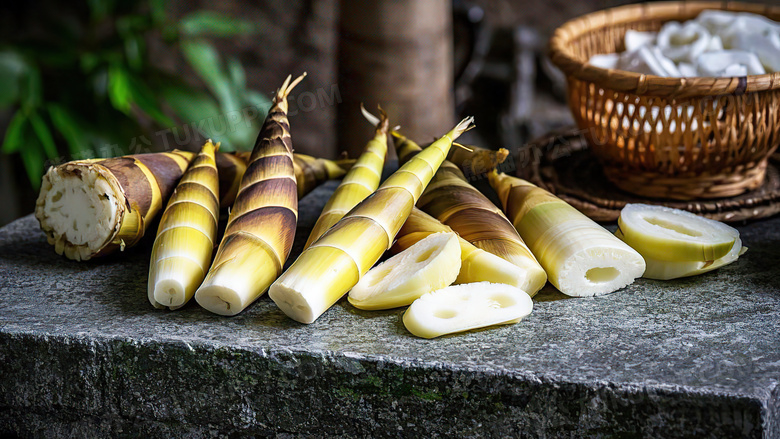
(464,307)
(477,265)
(429,265)
(666,270)
(668,234)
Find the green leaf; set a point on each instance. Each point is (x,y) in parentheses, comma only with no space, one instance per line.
(31,88)
(119,89)
(197,110)
(258,100)
(33,159)
(14,134)
(204,59)
(133,49)
(147,101)
(237,74)
(101,9)
(12,66)
(44,135)
(157,9)
(215,24)
(71,129)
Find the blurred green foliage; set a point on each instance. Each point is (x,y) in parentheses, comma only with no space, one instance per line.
(81,84)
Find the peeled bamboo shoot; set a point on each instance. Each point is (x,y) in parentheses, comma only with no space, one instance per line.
(185,238)
(90,208)
(467,306)
(333,264)
(459,205)
(581,257)
(262,221)
(429,265)
(361,181)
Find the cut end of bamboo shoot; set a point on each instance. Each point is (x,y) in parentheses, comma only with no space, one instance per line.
(220,299)
(244,276)
(314,283)
(169,293)
(80,209)
(598,270)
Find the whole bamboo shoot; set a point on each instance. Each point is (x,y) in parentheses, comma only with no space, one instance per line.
(91,208)
(361,181)
(459,205)
(262,221)
(182,251)
(581,257)
(333,264)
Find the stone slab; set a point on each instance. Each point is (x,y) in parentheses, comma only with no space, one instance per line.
(82,353)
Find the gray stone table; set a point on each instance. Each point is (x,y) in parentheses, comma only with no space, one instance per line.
(83,354)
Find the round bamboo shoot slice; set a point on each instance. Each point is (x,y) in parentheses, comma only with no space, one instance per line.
(464,307)
(674,235)
(430,264)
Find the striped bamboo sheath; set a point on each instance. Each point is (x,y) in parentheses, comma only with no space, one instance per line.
(333,264)
(262,221)
(581,257)
(360,182)
(453,201)
(230,168)
(310,172)
(477,265)
(90,208)
(187,233)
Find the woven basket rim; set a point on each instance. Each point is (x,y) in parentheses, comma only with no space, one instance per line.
(651,85)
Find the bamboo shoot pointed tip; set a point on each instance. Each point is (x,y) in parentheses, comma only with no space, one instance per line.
(464,125)
(287,86)
(502,154)
(373,120)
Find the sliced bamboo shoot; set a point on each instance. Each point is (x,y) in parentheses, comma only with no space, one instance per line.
(333,264)
(668,234)
(581,257)
(185,238)
(666,270)
(476,265)
(429,265)
(464,307)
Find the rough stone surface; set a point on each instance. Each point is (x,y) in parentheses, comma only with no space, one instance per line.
(83,354)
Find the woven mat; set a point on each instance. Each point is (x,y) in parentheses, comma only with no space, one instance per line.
(563,165)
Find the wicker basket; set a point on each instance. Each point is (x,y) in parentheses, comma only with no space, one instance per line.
(678,138)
